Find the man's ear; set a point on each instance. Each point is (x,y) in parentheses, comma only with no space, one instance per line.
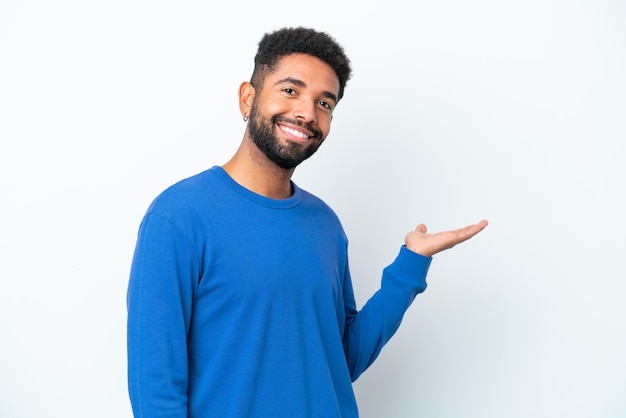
(246,97)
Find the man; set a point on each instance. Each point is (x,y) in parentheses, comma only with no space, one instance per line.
(240,301)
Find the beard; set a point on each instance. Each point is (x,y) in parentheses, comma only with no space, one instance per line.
(289,155)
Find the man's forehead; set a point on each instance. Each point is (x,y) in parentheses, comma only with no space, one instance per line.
(306,68)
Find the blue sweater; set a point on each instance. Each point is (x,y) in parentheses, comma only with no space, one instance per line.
(241,306)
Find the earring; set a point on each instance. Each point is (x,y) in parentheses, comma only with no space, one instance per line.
(245,118)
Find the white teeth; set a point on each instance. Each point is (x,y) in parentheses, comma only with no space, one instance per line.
(294,132)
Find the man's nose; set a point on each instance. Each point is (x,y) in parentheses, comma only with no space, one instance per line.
(305,110)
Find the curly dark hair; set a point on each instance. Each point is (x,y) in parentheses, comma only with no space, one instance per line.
(286,41)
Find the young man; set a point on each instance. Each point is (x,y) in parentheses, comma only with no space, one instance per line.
(240,301)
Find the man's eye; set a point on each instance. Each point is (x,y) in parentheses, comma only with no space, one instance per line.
(289,90)
(325,105)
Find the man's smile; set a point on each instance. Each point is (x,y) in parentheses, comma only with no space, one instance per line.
(298,135)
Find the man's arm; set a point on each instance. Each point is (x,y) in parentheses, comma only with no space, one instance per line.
(159,301)
(369,329)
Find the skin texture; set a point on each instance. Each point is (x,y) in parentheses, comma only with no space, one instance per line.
(298,98)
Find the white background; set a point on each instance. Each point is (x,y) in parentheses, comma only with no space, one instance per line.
(512,111)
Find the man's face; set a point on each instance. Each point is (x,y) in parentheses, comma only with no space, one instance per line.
(291,112)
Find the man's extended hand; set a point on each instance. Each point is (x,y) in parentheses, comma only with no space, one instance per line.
(430,244)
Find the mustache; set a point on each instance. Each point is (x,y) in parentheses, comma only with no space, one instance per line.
(316,132)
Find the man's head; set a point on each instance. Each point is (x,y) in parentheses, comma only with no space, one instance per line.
(273,46)
(298,79)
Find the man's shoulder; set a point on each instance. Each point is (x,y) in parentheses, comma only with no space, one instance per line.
(185,193)
(194,183)
(311,200)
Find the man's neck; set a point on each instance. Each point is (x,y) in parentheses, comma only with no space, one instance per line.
(253,170)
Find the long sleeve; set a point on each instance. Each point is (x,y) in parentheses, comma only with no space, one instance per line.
(159,300)
(369,329)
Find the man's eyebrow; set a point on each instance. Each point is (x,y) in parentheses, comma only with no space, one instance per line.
(291,80)
(300,83)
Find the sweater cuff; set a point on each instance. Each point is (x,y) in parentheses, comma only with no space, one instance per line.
(415,263)
(409,270)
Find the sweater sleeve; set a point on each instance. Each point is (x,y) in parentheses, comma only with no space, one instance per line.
(369,329)
(159,301)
